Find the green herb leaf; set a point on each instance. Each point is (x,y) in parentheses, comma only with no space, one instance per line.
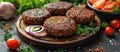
(87,28)
(26,49)
(104,24)
(7,36)
(116,10)
(60,50)
(91,24)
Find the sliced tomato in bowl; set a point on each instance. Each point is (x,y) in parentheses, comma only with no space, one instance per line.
(92,1)
(98,4)
(109,5)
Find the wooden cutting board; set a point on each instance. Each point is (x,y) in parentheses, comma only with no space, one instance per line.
(50,42)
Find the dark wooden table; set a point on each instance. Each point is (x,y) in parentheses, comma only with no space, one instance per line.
(107,44)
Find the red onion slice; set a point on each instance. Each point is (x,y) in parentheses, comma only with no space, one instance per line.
(27,29)
(39,31)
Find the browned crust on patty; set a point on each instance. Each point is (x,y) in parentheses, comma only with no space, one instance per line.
(60,26)
(58,8)
(81,15)
(35,16)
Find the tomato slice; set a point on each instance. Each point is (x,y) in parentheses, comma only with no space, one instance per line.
(109,5)
(98,4)
(92,1)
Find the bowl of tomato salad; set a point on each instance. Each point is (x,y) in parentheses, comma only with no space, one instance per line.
(105,8)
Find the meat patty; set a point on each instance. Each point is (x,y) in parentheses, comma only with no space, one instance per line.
(60,26)
(58,8)
(81,15)
(35,16)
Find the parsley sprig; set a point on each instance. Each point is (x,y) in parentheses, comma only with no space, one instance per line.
(86,29)
(26,49)
(116,10)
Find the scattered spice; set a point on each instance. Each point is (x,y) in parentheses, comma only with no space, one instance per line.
(112,42)
(90,50)
(7,27)
(98,49)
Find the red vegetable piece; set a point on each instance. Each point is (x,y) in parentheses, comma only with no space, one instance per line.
(92,1)
(115,23)
(108,31)
(12,43)
(109,5)
(98,4)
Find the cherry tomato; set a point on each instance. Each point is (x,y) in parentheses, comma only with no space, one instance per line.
(92,1)
(108,31)
(115,23)
(12,43)
(98,4)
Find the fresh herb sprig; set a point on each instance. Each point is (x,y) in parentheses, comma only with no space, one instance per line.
(116,10)
(26,49)
(60,50)
(77,2)
(86,29)
(104,24)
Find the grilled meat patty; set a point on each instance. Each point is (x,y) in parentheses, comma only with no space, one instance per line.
(35,16)
(58,8)
(60,26)
(81,15)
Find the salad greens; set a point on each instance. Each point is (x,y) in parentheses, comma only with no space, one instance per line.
(116,10)
(88,28)
(77,2)
(26,49)
(22,5)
